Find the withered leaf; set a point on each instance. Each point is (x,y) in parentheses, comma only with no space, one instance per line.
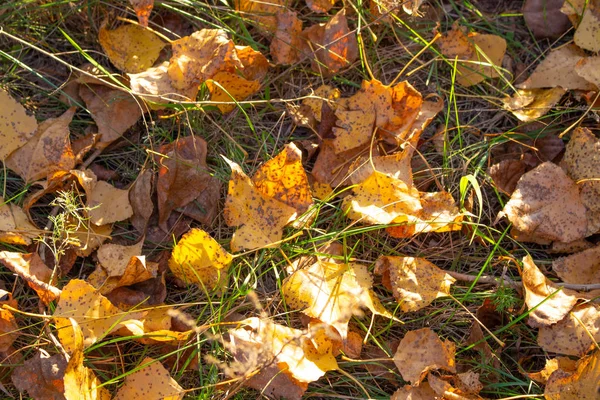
(15,227)
(582,384)
(41,376)
(32,269)
(140,198)
(9,330)
(227,87)
(286,45)
(506,174)
(587,34)
(530,104)
(580,268)
(142,8)
(545,19)
(16,127)
(150,381)
(573,334)
(262,13)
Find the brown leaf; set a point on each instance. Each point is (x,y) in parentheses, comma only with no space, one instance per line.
(182,177)
(41,376)
(15,227)
(558,69)
(320,6)
(587,68)
(553,364)
(48,151)
(557,301)
(573,334)
(114,111)
(142,8)
(151,292)
(582,163)
(421,351)
(506,174)
(545,19)
(9,330)
(583,384)
(286,45)
(262,13)
(16,127)
(409,392)
(415,282)
(580,268)
(570,247)
(140,198)
(333,45)
(546,205)
(32,269)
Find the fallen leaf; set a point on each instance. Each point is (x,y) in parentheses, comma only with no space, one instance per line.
(150,292)
(553,364)
(331,46)
(320,6)
(32,270)
(531,104)
(199,259)
(154,85)
(332,292)
(546,205)
(41,376)
(199,57)
(545,19)
(131,48)
(587,34)
(283,178)
(16,126)
(558,69)
(582,163)
(479,55)
(553,302)
(587,68)
(96,316)
(262,13)
(583,384)
(332,168)
(15,227)
(121,266)
(288,359)
(286,45)
(140,198)
(354,128)
(183,175)
(9,330)
(260,219)
(396,166)
(142,8)
(88,237)
(421,351)
(581,268)
(415,282)
(506,175)
(150,381)
(48,151)
(573,334)
(409,392)
(114,111)
(228,87)
(570,247)
(468,383)
(106,203)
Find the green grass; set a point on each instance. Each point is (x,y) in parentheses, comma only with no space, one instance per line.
(474,123)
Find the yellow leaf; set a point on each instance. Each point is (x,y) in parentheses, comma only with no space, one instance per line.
(584,383)
(9,330)
(354,128)
(15,227)
(288,358)
(323,94)
(16,127)
(415,281)
(47,152)
(529,105)
(582,163)
(199,259)
(229,87)
(422,351)
(546,205)
(93,312)
(259,218)
(150,381)
(283,178)
(262,13)
(130,48)
(332,292)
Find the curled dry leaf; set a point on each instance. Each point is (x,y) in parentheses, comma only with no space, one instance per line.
(131,48)
(16,127)
(32,270)
(331,46)
(546,205)
(506,175)
(9,330)
(97,316)
(479,55)
(581,268)
(15,227)
(553,364)
(183,175)
(332,292)
(558,69)
(573,334)
(150,381)
(582,384)
(283,178)
(415,282)
(530,104)
(41,376)
(47,152)
(287,44)
(545,19)
(262,13)
(199,259)
(114,111)
(582,163)
(553,302)
(288,359)
(260,219)
(142,8)
(140,198)
(422,351)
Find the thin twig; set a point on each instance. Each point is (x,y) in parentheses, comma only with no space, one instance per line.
(486,279)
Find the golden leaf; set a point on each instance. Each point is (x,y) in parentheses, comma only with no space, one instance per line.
(582,384)
(228,87)
(530,104)
(15,227)
(150,381)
